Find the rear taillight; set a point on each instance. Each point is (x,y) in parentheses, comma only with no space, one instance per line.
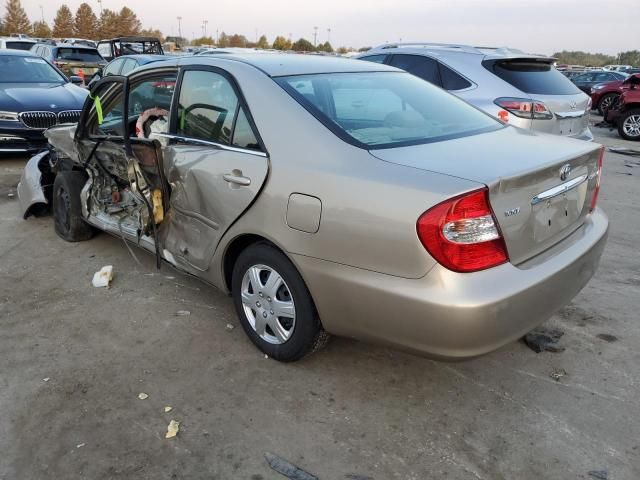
(596,190)
(462,233)
(525,108)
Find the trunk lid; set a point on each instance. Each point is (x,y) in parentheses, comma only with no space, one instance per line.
(527,175)
(571,114)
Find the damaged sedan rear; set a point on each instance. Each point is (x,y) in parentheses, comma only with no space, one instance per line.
(330,196)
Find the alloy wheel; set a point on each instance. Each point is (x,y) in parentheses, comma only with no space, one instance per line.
(606,103)
(631,125)
(268,304)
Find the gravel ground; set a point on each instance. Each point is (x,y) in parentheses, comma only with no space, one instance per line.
(73,360)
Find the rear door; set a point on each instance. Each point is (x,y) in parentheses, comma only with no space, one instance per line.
(214,161)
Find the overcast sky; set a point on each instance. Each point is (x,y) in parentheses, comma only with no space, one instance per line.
(541,26)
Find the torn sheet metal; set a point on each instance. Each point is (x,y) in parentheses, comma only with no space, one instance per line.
(62,138)
(30,191)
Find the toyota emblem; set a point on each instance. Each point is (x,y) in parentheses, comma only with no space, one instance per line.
(565,171)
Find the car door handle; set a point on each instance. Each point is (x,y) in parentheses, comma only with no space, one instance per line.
(237,179)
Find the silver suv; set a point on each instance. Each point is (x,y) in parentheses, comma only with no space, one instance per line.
(518,88)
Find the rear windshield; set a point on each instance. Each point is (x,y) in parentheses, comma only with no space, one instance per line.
(79,55)
(20,45)
(533,77)
(385,109)
(14,69)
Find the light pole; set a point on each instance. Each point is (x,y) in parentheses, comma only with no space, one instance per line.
(205,23)
(100,3)
(329,35)
(42,13)
(179,27)
(315,36)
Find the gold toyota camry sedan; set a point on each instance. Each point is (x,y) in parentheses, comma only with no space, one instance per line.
(331,197)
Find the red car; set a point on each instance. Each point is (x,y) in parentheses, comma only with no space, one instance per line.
(626,113)
(604,95)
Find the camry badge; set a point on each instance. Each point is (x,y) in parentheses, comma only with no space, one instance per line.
(512,212)
(565,172)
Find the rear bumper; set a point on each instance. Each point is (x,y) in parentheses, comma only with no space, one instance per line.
(450,315)
(20,139)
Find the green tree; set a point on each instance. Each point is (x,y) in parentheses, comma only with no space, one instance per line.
(303,45)
(631,57)
(343,50)
(86,22)
(15,18)
(128,22)
(63,24)
(584,58)
(41,30)
(325,47)
(281,43)
(109,24)
(263,42)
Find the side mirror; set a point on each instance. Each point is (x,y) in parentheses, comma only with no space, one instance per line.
(76,80)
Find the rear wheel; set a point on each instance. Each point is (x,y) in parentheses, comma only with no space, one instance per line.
(629,125)
(274,305)
(606,102)
(67,211)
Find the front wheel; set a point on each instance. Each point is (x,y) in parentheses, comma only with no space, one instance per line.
(606,102)
(274,305)
(629,125)
(67,210)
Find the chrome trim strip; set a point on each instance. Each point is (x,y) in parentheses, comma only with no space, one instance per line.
(558,190)
(8,150)
(210,144)
(570,114)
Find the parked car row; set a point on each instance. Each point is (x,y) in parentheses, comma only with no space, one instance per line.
(345,197)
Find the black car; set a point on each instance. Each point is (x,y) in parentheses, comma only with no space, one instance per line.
(587,80)
(117,47)
(34,95)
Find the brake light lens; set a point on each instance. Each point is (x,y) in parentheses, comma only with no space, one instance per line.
(462,233)
(596,191)
(524,108)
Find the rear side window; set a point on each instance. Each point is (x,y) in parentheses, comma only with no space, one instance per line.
(129,65)
(423,67)
(375,58)
(451,80)
(79,55)
(208,109)
(20,45)
(532,77)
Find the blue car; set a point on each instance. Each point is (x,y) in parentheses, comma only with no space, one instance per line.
(34,95)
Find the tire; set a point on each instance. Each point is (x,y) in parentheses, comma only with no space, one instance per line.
(629,125)
(295,334)
(606,102)
(67,212)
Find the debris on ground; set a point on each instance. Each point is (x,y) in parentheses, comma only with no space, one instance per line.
(558,373)
(167,409)
(183,313)
(625,151)
(11,195)
(143,396)
(230,327)
(599,474)
(80,445)
(172,429)
(543,339)
(607,337)
(266,356)
(46,379)
(103,277)
(287,469)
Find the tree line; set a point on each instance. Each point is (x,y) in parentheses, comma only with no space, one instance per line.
(280,43)
(84,24)
(631,57)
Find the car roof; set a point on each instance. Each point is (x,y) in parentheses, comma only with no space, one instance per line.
(17,53)
(130,39)
(285,64)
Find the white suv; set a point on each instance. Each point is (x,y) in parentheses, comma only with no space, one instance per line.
(518,88)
